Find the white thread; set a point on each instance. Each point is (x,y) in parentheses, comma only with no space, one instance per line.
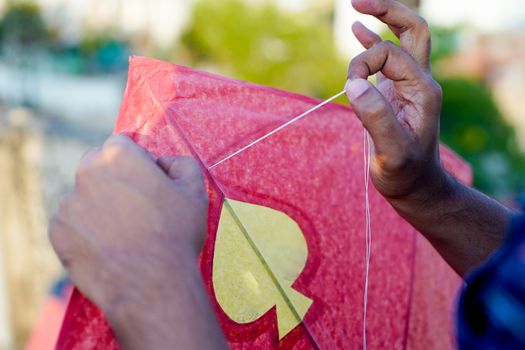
(291,121)
(366,173)
(368,227)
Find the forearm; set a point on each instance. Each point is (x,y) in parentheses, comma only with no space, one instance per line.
(180,317)
(464,225)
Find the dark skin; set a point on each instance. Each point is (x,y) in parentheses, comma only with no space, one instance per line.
(100,239)
(402,116)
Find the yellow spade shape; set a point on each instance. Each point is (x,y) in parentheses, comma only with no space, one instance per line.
(259,253)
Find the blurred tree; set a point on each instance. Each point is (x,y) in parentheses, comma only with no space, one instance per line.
(472,125)
(295,52)
(103,53)
(444,42)
(261,44)
(22,24)
(22,35)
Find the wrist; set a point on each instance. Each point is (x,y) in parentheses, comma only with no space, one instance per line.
(432,192)
(170,317)
(145,318)
(144,299)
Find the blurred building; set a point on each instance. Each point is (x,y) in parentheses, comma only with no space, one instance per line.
(481,15)
(497,58)
(28,265)
(158,20)
(484,16)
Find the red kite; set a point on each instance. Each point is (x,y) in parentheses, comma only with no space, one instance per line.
(284,261)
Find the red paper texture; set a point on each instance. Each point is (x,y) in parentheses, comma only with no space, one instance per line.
(311,173)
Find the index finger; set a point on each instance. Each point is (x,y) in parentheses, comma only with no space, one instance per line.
(387,58)
(411,29)
(122,141)
(185,171)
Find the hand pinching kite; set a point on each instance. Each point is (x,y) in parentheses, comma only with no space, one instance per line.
(284,261)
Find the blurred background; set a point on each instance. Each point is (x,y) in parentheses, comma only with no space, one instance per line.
(63,72)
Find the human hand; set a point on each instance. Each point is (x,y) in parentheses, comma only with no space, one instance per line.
(131,230)
(402,116)
(402,112)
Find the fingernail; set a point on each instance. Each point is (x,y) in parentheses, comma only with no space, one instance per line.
(356,88)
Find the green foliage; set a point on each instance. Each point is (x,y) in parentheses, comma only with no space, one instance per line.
(94,54)
(472,125)
(261,44)
(103,53)
(444,42)
(22,24)
(390,36)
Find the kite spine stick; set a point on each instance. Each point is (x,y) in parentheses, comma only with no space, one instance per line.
(291,121)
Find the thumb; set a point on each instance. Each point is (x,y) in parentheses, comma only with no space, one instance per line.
(183,169)
(376,114)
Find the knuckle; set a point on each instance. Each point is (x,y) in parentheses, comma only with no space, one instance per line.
(64,241)
(388,48)
(117,146)
(403,162)
(120,151)
(64,204)
(422,28)
(191,164)
(420,22)
(432,92)
(375,109)
(397,165)
(55,234)
(358,67)
(117,139)
(436,88)
(90,155)
(53,229)
(388,45)
(87,165)
(116,155)
(83,172)
(190,168)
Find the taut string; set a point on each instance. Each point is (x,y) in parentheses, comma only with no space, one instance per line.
(366,172)
(368,228)
(291,121)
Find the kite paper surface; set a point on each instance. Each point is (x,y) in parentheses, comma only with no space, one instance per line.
(284,260)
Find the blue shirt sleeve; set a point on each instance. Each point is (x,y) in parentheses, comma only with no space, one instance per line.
(491,312)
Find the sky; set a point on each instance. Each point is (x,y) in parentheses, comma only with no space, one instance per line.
(485,15)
